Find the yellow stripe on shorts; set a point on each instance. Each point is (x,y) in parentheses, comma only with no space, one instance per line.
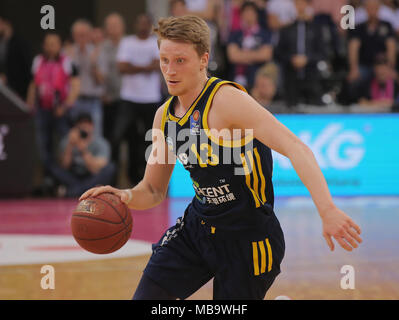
(255,258)
(269,254)
(263,257)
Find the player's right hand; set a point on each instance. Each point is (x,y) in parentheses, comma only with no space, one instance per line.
(124,195)
(338,225)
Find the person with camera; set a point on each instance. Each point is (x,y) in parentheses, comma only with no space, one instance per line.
(84,159)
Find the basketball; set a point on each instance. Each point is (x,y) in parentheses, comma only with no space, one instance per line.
(102,224)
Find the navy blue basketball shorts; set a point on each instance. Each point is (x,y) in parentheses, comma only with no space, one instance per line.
(189,255)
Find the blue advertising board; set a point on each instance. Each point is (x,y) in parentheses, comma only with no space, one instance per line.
(358,155)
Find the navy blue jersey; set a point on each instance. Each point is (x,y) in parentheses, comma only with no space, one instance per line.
(232,178)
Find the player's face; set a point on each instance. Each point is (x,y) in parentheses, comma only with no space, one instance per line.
(181,66)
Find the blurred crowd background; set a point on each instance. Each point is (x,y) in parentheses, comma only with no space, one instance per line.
(92,88)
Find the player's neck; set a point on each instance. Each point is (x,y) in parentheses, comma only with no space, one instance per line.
(187,99)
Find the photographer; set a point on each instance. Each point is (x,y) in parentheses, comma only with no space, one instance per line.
(84,159)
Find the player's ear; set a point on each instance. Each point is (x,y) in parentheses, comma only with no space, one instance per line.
(204,60)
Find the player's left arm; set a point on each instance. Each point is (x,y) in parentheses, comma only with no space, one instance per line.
(231,103)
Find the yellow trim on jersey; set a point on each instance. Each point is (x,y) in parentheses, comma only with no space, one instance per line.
(263,257)
(183,120)
(269,254)
(255,175)
(173,118)
(248,179)
(218,140)
(255,258)
(165,114)
(258,197)
(262,177)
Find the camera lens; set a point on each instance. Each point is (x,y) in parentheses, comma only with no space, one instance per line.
(83,134)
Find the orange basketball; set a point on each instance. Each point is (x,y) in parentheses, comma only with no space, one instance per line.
(102,224)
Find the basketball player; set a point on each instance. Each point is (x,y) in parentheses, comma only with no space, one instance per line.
(229,231)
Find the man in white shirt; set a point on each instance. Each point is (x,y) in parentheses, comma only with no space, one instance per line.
(138,62)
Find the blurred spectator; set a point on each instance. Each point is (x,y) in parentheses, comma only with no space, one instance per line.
(382,90)
(366,41)
(177,8)
(52,92)
(138,62)
(91,72)
(329,8)
(211,12)
(265,85)
(262,12)
(67,47)
(231,14)
(281,13)
(231,17)
(299,51)
(249,47)
(114,29)
(327,14)
(386,12)
(355,3)
(15,59)
(205,9)
(84,159)
(97,36)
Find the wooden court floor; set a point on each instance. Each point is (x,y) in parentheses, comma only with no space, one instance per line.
(309,269)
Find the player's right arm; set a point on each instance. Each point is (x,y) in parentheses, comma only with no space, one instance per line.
(152,190)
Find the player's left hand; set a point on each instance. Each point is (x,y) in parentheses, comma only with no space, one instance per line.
(342,228)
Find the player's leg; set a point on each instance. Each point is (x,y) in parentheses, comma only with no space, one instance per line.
(176,268)
(241,287)
(248,268)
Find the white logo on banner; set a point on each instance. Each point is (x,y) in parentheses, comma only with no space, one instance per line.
(327,148)
(4,129)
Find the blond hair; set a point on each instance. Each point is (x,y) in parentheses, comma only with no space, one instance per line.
(189,29)
(269,70)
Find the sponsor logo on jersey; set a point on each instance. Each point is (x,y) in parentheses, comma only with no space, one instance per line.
(214,195)
(195,128)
